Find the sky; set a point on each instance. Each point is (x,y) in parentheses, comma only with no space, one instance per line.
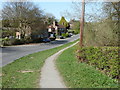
(58,8)
(55,8)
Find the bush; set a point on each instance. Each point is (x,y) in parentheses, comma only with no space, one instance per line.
(18,41)
(28,40)
(37,40)
(103,58)
(65,35)
(76,31)
(6,42)
(104,33)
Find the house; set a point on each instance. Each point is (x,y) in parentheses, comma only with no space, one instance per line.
(57,29)
(25,30)
(18,35)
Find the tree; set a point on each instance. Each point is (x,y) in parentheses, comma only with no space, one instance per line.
(112,10)
(101,22)
(23,14)
(49,18)
(76,26)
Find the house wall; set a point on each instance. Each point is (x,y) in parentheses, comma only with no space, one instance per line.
(18,35)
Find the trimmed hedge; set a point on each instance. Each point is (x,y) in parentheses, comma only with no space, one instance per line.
(103,58)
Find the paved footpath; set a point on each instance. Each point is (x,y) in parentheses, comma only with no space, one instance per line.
(50,77)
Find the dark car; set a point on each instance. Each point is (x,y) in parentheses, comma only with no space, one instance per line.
(61,37)
(46,40)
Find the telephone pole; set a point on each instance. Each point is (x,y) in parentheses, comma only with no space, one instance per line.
(82,23)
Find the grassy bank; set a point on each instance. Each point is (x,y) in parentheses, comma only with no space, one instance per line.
(81,75)
(106,59)
(25,72)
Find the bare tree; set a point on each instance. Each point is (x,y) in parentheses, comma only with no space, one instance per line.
(24,14)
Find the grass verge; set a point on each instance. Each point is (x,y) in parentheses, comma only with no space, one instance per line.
(25,72)
(81,75)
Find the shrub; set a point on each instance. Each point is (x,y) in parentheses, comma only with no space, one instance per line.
(28,40)
(67,34)
(103,58)
(63,35)
(103,33)
(37,40)
(18,41)
(6,42)
(76,31)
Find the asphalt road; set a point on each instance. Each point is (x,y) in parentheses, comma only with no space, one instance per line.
(11,53)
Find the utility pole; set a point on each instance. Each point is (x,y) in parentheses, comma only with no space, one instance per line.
(82,23)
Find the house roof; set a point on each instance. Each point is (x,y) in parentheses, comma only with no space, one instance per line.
(61,26)
(50,26)
(72,21)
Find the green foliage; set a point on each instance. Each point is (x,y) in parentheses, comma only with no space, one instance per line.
(13,41)
(103,30)
(23,16)
(63,22)
(104,33)
(76,31)
(6,42)
(81,75)
(7,33)
(10,23)
(50,20)
(104,58)
(19,41)
(76,27)
(65,35)
(6,23)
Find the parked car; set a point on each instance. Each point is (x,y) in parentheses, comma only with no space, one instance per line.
(46,40)
(70,34)
(61,37)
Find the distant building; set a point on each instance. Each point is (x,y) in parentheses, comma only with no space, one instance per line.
(18,35)
(58,28)
(26,30)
